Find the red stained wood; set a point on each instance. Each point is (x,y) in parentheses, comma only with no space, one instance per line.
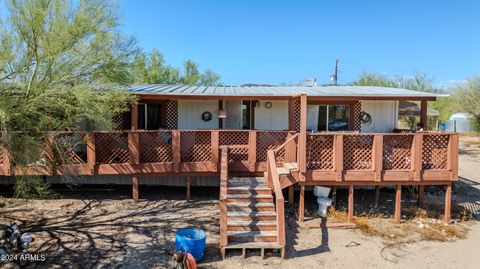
(398,203)
(350,203)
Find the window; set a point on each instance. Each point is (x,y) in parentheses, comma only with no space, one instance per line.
(150,116)
(333,117)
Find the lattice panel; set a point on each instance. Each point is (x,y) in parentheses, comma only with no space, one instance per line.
(1,153)
(195,146)
(320,152)
(155,147)
(297,115)
(357,152)
(70,148)
(267,141)
(397,152)
(171,114)
(235,138)
(111,148)
(357,123)
(435,151)
(122,121)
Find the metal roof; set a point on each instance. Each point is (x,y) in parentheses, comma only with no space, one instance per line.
(333,91)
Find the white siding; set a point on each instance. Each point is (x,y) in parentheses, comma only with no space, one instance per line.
(190,114)
(234,114)
(384,116)
(275,118)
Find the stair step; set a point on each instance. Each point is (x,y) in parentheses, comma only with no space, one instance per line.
(250,207)
(252,245)
(290,166)
(247,182)
(253,215)
(250,197)
(252,236)
(251,225)
(249,190)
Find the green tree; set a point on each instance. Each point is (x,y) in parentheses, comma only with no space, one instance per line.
(467,99)
(209,78)
(58,62)
(191,74)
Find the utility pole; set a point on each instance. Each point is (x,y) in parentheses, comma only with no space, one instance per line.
(334,77)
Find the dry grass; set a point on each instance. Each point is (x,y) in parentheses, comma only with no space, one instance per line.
(337,215)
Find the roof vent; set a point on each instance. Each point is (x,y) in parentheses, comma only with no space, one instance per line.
(309,82)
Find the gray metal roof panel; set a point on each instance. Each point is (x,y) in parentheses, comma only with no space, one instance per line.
(370,91)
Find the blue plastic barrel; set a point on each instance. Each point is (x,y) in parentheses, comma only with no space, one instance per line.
(193,240)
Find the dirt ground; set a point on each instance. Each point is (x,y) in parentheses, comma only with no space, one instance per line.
(102,228)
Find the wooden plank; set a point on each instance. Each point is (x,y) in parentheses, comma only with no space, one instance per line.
(398,203)
(223,198)
(176,149)
(448,203)
(350,203)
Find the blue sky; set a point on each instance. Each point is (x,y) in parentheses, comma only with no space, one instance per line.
(286,41)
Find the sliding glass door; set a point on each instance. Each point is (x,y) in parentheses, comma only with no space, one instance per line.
(333,118)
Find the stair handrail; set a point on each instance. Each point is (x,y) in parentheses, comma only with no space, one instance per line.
(223,197)
(277,149)
(273,178)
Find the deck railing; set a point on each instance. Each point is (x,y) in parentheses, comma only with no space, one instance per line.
(383,157)
(429,156)
(273,179)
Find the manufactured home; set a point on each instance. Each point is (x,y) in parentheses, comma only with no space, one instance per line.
(255,141)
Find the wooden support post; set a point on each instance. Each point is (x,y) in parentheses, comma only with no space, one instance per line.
(215,148)
(448,203)
(378,157)
(91,156)
(338,157)
(350,203)
(303,134)
(188,189)
(134,116)
(291,190)
(423,115)
(301,204)
(134,147)
(398,203)
(421,195)
(6,160)
(377,195)
(176,150)
(135,188)
(252,150)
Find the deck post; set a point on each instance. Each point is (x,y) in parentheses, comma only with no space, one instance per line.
(134,147)
(252,150)
(303,134)
(398,203)
(421,195)
(134,116)
(350,203)
(176,150)
(135,188)
(423,114)
(448,203)
(301,204)
(91,158)
(290,195)
(188,189)
(215,148)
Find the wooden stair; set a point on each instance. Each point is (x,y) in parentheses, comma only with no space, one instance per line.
(251,217)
